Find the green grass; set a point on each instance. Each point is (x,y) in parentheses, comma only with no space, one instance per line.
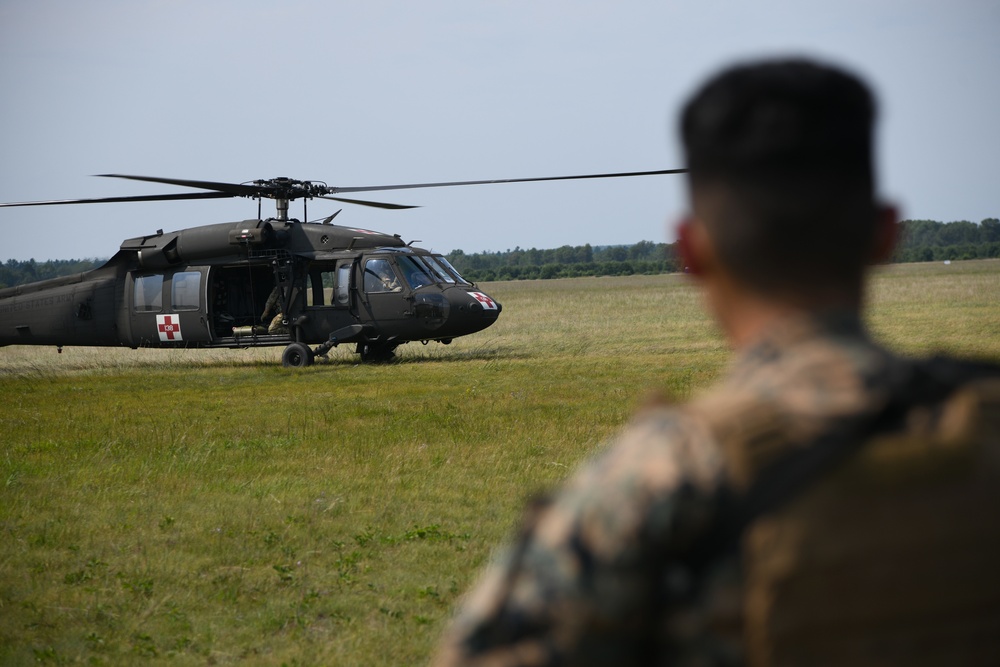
(930,307)
(214,508)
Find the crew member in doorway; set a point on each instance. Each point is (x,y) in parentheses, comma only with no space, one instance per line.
(273,305)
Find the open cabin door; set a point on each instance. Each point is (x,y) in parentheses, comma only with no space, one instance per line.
(330,302)
(238,297)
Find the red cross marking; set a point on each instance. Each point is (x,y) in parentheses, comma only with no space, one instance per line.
(485,300)
(169,328)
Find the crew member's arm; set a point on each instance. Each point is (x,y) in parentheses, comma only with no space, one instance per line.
(580,583)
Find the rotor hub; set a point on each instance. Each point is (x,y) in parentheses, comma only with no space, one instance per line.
(287,188)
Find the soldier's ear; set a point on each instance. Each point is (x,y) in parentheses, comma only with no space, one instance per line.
(886,233)
(690,246)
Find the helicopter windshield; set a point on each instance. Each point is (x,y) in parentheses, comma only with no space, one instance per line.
(417,274)
(423,270)
(451,269)
(438,270)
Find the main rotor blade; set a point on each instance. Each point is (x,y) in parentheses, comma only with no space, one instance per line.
(376,204)
(110,200)
(507,180)
(289,189)
(232,189)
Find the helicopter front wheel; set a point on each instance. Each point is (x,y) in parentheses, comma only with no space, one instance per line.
(297,355)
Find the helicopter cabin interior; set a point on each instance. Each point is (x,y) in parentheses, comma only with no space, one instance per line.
(225,305)
(238,297)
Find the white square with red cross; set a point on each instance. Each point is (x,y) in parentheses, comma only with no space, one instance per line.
(485,301)
(169,327)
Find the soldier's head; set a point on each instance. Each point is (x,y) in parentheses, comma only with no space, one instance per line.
(782,177)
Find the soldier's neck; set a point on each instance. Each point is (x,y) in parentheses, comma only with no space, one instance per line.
(746,316)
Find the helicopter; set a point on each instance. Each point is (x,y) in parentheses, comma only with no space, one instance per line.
(307,286)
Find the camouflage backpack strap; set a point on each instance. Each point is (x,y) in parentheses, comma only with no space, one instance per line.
(914,384)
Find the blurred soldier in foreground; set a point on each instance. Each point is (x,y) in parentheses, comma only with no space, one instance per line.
(829,502)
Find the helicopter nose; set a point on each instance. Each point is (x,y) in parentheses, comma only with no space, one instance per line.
(487,303)
(471,311)
(452,312)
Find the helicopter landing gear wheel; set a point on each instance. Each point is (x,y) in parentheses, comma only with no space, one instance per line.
(376,353)
(297,355)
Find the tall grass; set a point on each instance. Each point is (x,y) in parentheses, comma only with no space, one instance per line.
(213,507)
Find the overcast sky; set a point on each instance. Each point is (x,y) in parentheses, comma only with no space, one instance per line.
(384,92)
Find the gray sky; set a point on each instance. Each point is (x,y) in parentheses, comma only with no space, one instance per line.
(383,92)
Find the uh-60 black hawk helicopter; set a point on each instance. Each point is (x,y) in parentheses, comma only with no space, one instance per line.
(258,282)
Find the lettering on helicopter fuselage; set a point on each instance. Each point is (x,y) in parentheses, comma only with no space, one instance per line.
(32,304)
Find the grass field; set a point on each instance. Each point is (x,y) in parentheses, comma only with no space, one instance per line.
(215,508)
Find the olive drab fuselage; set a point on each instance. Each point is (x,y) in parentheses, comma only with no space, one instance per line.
(260,282)
(209,286)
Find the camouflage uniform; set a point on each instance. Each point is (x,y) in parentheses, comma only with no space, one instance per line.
(273,305)
(599,573)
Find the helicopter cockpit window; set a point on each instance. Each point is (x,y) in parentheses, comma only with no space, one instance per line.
(452,269)
(379,277)
(148,293)
(185,290)
(437,269)
(417,273)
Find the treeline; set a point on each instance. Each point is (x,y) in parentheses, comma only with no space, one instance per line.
(14,272)
(644,257)
(921,241)
(932,241)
